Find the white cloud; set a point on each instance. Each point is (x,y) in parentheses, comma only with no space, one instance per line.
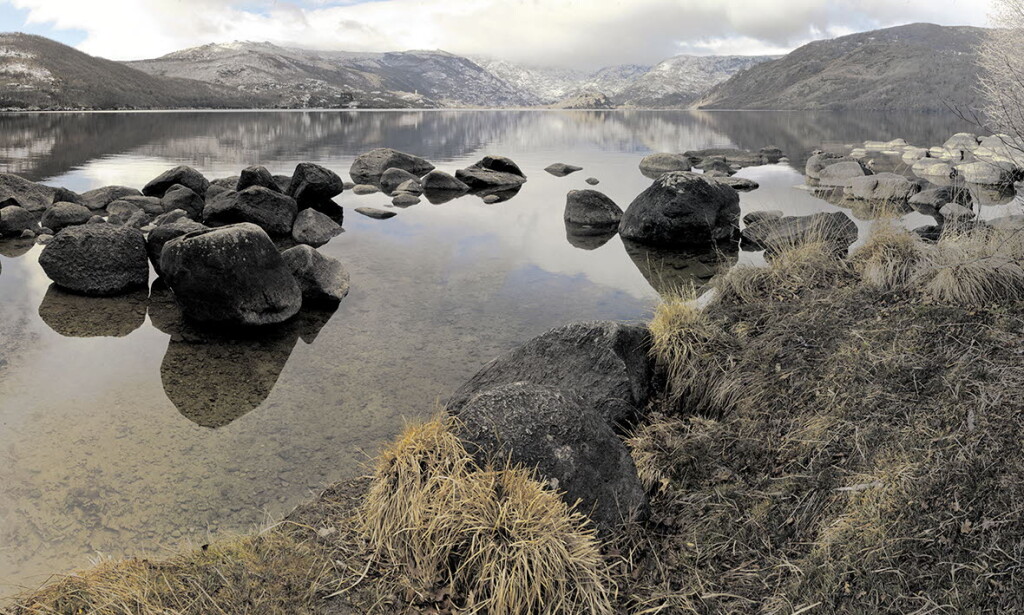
(580,33)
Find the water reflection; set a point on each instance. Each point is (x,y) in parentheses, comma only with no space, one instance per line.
(670,271)
(585,238)
(13,248)
(213,376)
(74,315)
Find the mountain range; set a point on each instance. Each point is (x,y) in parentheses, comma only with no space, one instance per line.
(915,67)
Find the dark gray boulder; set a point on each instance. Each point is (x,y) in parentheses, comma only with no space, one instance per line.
(608,363)
(593,181)
(138,220)
(101,197)
(771,154)
(149,204)
(322,279)
(569,446)
(410,186)
(590,212)
(171,217)
(405,200)
(757,216)
(818,162)
(560,169)
(393,178)
(739,157)
(63,195)
(24,193)
(122,209)
(740,184)
(368,167)
(439,181)
(63,215)
(929,202)
(716,165)
(777,234)
(232,275)
(158,238)
(183,175)
(313,228)
(14,220)
(364,189)
(492,172)
(94,219)
(96,259)
(183,197)
(682,209)
(654,166)
(312,184)
(256,176)
(272,211)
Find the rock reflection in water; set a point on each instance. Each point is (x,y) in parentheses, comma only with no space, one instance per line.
(670,271)
(214,376)
(13,248)
(74,315)
(585,238)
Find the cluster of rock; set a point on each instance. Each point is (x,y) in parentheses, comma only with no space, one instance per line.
(212,242)
(406,178)
(947,182)
(682,209)
(558,404)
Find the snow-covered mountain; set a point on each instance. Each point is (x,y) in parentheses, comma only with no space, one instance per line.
(679,81)
(551,85)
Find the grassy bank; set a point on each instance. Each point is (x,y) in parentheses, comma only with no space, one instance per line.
(839,435)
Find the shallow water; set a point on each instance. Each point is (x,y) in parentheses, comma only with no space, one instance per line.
(123,432)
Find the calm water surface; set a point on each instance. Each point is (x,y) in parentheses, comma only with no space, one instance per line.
(107,446)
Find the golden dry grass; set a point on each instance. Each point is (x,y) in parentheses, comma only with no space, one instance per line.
(486,541)
(889,258)
(789,271)
(975,268)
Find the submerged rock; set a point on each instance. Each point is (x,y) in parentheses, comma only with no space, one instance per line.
(607,363)
(777,234)
(377,214)
(405,200)
(364,189)
(96,259)
(322,279)
(233,274)
(183,175)
(682,209)
(571,448)
(560,169)
(591,212)
(368,167)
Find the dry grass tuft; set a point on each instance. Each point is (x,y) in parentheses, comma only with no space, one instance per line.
(695,354)
(976,268)
(671,449)
(889,258)
(789,272)
(479,540)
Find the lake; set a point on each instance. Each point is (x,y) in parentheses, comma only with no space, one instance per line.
(124,433)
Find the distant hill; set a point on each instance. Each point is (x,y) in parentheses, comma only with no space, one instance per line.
(551,85)
(302,78)
(679,81)
(918,67)
(38,73)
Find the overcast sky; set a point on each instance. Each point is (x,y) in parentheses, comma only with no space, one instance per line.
(576,33)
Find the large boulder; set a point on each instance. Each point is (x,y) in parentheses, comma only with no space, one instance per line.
(439,181)
(841,173)
(656,165)
(272,211)
(393,178)
(183,197)
(822,160)
(607,363)
(256,176)
(96,259)
(988,173)
(777,234)
(232,275)
(732,155)
(589,212)
(569,446)
(24,193)
(149,204)
(682,209)
(929,202)
(368,167)
(313,228)
(63,215)
(183,175)
(312,184)
(322,279)
(159,237)
(101,197)
(492,172)
(15,220)
(888,187)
